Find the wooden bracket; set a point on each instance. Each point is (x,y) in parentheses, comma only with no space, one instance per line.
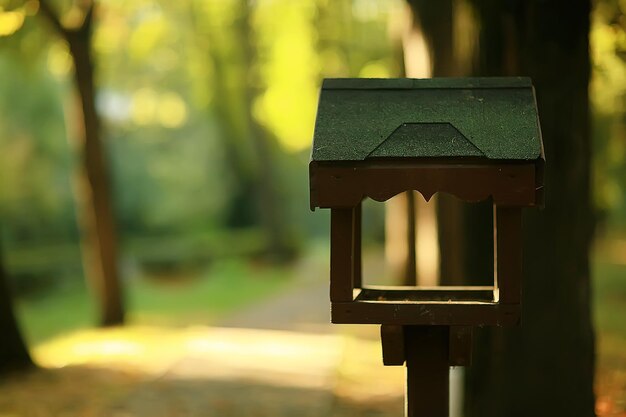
(392,340)
(460,346)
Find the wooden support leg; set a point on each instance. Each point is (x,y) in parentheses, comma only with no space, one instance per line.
(508,253)
(428,373)
(341,254)
(392,341)
(356,248)
(460,347)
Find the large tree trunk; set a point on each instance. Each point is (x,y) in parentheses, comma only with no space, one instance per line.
(546,367)
(13,352)
(93,194)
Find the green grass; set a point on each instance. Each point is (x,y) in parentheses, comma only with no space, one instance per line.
(58,311)
(200,297)
(228,285)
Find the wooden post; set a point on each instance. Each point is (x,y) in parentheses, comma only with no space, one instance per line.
(508,253)
(341,254)
(356,248)
(428,372)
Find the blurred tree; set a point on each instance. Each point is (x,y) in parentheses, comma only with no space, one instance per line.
(99,242)
(13,352)
(35,197)
(545,367)
(608,93)
(270,205)
(248,146)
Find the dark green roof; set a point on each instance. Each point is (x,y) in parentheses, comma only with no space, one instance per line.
(494,118)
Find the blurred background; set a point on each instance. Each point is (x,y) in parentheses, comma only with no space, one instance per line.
(155,230)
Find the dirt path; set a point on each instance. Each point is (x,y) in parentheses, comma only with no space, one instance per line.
(203,371)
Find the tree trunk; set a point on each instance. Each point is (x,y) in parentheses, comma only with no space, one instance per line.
(97,219)
(546,367)
(13,352)
(92,188)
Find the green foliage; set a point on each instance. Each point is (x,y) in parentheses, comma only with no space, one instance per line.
(610,299)
(35,201)
(175,81)
(608,99)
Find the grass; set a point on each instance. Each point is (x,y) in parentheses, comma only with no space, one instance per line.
(58,311)
(199,297)
(228,285)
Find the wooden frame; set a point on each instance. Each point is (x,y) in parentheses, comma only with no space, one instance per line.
(341,188)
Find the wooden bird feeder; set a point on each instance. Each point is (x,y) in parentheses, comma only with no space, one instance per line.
(474,138)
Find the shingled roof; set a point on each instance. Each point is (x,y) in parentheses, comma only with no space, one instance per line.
(493,118)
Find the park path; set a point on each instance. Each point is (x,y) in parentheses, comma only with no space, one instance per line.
(304,305)
(205,371)
(280,357)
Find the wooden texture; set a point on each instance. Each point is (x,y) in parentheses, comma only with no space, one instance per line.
(428,373)
(407,294)
(357,277)
(341,254)
(392,341)
(406,305)
(346,184)
(508,253)
(460,313)
(460,348)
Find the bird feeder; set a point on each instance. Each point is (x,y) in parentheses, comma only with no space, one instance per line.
(474,138)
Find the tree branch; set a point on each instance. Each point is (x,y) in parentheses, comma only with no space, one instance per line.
(52,17)
(87,21)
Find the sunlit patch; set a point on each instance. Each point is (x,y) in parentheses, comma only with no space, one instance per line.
(152,30)
(375,69)
(269,357)
(144,106)
(59,59)
(609,81)
(107,348)
(172,111)
(150,107)
(90,347)
(11,21)
(288,104)
(110,35)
